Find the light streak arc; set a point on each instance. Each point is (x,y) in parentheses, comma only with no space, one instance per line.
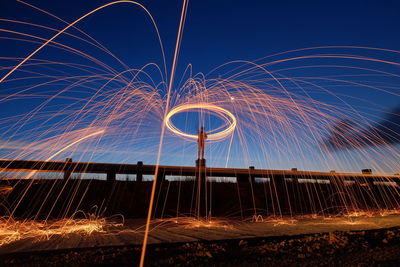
(153,189)
(205,106)
(76,21)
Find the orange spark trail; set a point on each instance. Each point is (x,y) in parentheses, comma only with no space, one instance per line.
(223,113)
(72,24)
(51,157)
(178,41)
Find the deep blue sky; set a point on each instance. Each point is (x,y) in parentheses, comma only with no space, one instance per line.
(219,31)
(215,31)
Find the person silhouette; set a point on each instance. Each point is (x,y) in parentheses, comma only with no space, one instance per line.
(202,136)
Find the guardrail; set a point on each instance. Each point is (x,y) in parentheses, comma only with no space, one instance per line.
(242,175)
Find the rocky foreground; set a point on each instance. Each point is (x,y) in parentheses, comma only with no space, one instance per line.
(372,247)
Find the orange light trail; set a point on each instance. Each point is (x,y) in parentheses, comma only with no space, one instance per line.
(270,112)
(221,112)
(72,24)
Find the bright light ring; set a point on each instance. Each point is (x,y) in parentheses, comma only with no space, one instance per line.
(224,114)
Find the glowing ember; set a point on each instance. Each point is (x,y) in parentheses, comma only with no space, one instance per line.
(12,230)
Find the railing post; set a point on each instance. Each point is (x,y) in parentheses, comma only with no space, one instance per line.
(139,174)
(67,172)
(251,174)
(242,178)
(111,176)
(160,177)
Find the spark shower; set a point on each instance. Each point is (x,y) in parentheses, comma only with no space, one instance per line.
(71,97)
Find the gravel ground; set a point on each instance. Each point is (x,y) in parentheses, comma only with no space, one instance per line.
(358,248)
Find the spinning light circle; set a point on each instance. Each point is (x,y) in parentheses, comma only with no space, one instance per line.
(213,135)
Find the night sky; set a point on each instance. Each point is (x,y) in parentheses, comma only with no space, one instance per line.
(220,31)
(215,32)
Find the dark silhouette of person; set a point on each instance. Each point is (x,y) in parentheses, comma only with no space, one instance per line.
(202,136)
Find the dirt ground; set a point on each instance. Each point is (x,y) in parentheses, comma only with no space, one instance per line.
(352,248)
